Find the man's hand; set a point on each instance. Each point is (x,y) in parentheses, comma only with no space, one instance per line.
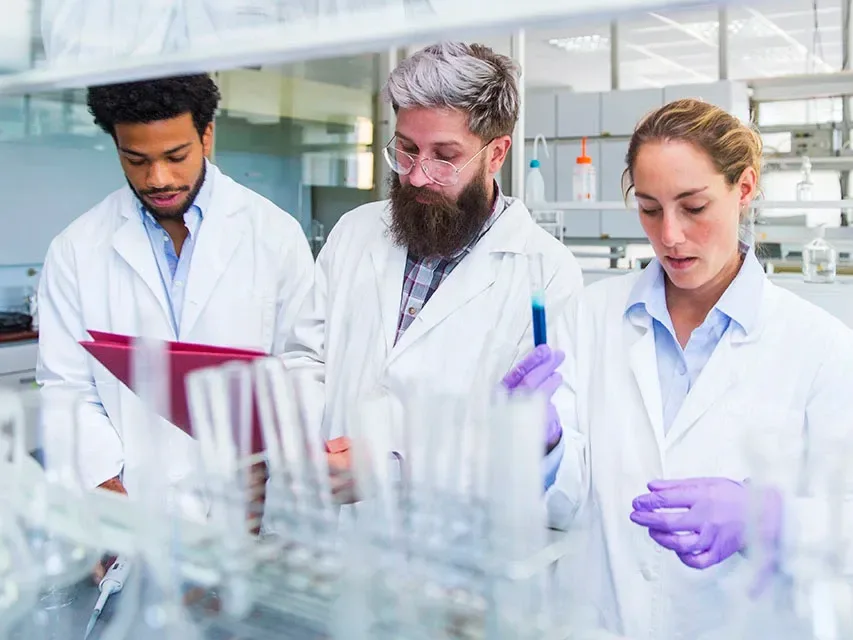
(339,460)
(100,569)
(537,372)
(258,476)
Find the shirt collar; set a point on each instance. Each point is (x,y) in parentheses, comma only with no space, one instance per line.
(741,300)
(201,202)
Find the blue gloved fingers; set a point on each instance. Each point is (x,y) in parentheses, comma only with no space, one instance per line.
(531,361)
(680,543)
(682,497)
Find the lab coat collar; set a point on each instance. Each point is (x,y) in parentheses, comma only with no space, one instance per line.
(223,231)
(741,301)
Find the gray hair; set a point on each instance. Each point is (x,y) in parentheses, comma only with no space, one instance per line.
(468,77)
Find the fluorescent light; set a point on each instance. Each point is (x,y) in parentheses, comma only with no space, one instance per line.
(582,44)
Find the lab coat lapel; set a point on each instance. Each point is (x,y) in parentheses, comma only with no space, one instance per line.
(718,376)
(643,362)
(131,242)
(219,235)
(389,267)
(474,274)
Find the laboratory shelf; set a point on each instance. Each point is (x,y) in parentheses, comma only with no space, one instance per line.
(227,35)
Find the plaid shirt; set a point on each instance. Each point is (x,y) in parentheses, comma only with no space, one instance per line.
(423,276)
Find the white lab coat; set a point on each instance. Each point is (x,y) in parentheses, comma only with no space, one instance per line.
(343,348)
(251,269)
(786,384)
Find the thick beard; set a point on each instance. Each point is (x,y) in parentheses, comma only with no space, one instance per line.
(442,227)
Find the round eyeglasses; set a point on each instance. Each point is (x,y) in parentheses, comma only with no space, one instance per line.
(441,172)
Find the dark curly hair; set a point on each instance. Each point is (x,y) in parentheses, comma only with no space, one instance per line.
(153,100)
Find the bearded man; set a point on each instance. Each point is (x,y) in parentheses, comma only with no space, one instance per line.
(422,300)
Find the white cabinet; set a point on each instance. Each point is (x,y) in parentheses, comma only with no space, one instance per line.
(730,95)
(17,372)
(622,110)
(540,114)
(578,114)
(18,356)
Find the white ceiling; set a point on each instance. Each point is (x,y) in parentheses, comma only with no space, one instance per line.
(675,47)
(672,47)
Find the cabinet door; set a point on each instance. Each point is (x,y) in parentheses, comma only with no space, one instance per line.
(578,114)
(616,223)
(19,380)
(622,110)
(540,114)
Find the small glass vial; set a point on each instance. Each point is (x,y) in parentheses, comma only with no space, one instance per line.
(819,260)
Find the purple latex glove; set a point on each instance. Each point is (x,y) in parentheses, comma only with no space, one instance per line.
(538,372)
(714,525)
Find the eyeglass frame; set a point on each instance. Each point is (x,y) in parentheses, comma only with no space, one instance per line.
(419,158)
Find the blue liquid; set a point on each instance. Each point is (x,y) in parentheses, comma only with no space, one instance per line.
(539,331)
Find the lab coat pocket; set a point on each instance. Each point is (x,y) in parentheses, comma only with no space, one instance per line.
(765,441)
(257,324)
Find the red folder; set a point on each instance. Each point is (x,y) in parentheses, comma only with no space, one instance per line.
(114,352)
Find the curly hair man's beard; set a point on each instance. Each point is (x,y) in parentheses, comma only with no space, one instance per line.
(438,226)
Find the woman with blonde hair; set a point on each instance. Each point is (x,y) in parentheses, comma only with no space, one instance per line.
(670,371)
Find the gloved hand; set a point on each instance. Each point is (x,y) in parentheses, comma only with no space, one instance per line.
(538,372)
(714,525)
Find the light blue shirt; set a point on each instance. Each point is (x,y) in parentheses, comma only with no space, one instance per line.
(175,269)
(679,368)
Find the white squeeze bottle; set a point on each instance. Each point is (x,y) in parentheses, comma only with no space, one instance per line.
(534,188)
(584,178)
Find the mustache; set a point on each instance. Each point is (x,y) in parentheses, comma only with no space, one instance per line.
(159,190)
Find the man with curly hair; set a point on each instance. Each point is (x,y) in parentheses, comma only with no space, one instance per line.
(182,252)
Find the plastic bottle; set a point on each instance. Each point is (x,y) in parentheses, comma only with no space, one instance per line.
(534,189)
(584,178)
(819,259)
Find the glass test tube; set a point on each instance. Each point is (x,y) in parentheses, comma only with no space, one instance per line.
(537,298)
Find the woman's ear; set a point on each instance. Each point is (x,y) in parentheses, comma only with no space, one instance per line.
(748,186)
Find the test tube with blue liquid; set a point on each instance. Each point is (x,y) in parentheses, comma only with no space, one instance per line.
(537,298)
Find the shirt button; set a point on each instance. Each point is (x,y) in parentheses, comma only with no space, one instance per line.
(682,369)
(179,284)
(648,574)
(412,311)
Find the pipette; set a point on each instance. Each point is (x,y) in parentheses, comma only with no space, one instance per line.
(537,298)
(111,583)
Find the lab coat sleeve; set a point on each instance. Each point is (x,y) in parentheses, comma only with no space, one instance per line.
(812,516)
(297,283)
(64,373)
(567,493)
(305,350)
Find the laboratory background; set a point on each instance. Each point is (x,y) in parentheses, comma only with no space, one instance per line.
(302,123)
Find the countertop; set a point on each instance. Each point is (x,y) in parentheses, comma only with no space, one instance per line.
(18,336)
